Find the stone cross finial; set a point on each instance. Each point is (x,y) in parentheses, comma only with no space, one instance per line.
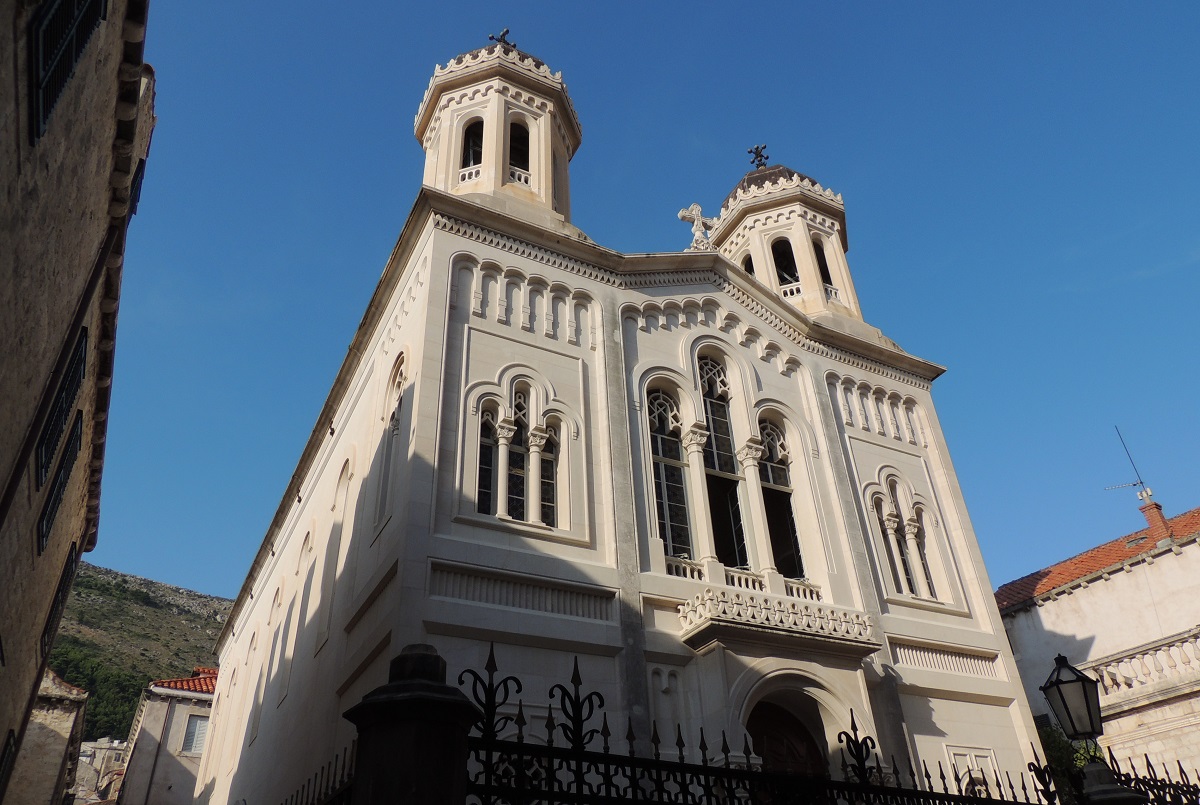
(502,39)
(700,227)
(758,156)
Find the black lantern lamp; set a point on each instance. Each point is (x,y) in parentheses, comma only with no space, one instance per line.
(1075,699)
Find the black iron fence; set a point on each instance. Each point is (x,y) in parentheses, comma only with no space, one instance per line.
(332,784)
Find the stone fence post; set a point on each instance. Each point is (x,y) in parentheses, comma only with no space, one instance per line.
(412,735)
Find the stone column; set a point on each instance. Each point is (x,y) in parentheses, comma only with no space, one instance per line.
(533,476)
(505,430)
(891,523)
(412,735)
(758,545)
(916,559)
(701,522)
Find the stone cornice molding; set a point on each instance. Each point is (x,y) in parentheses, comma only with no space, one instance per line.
(799,185)
(483,90)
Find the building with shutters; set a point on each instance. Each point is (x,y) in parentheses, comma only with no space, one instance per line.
(701,472)
(167,739)
(77,115)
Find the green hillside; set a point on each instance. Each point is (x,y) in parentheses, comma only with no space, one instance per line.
(120,632)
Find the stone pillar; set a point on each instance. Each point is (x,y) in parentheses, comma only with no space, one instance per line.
(916,559)
(891,523)
(758,546)
(412,735)
(505,430)
(533,476)
(702,533)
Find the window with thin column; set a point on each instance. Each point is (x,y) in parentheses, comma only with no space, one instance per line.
(518,456)
(485,497)
(721,466)
(669,466)
(549,479)
(775,472)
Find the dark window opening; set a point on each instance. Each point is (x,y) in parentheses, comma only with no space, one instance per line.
(781,525)
(60,600)
(518,456)
(472,150)
(485,502)
(518,146)
(8,759)
(60,410)
(57,36)
(785,262)
(549,478)
(58,487)
(822,262)
(670,497)
(748,265)
(728,536)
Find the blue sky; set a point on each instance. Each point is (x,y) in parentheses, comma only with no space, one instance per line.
(1020,183)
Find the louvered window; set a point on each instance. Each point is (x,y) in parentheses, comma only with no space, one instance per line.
(58,34)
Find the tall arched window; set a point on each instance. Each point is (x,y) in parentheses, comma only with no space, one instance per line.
(387,447)
(785,262)
(472,149)
(748,265)
(549,479)
(818,244)
(904,537)
(518,455)
(518,153)
(774,470)
(485,498)
(721,466)
(669,465)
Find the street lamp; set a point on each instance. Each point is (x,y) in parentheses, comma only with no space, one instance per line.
(1074,697)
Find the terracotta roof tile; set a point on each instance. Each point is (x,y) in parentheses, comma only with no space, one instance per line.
(202,680)
(1110,554)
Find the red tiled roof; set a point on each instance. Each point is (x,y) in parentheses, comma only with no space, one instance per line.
(1110,554)
(202,680)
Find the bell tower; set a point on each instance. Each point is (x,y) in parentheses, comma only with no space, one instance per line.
(790,233)
(498,126)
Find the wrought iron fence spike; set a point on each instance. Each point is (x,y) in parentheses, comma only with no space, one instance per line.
(954,774)
(1183,775)
(654,738)
(928,778)
(725,748)
(679,740)
(746,750)
(605,734)
(1011,788)
(1167,773)
(703,749)
(629,736)
(550,724)
(1150,768)
(853,725)
(1024,788)
(1112,761)
(520,721)
(576,679)
(912,775)
(879,771)
(490,666)
(942,774)
(999,784)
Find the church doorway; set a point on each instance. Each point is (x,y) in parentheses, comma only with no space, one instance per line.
(784,742)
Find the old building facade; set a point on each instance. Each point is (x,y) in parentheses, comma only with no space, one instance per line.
(77,115)
(1126,613)
(167,738)
(701,472)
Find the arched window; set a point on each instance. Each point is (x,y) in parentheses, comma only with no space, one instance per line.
(818,244)
(518,454)
(518,152)
(904,537)
(666,448)
(387,447)
(721,466)
(485,498)
(549,479)
(472,149)
(774,470)
(785,262)
(748,265)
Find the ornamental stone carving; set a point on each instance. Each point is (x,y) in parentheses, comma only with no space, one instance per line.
(722,611)
(695,439)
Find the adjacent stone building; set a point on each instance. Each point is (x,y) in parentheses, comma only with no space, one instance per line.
(76,112)
(46,766)
(701,472)
(167,739)
(1126,612)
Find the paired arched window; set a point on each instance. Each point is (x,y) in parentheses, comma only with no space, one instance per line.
(670,496)
(904,537)
(472,148)
(774,470)
(721,466)
(785,262)
(518,466)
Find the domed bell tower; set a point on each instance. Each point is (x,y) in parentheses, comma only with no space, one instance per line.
(790,233)
(497,126)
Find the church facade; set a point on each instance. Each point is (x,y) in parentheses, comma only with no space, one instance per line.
(701,472)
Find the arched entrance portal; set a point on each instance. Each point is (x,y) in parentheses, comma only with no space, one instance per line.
(784,743)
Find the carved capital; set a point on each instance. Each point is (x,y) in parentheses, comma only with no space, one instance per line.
(505,430)
(891,521)
(537,439)
(911,528)
(750,454)
(694,440)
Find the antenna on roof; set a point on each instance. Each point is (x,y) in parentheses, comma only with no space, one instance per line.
(1144,492)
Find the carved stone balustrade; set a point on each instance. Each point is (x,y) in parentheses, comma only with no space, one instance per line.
(731,614)
(1149,672)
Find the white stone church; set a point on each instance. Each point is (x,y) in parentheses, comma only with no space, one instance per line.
(701,472)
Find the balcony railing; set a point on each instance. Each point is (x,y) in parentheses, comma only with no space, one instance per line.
(717,612)
(1175,659)
(788,291)
(744,580)
(832,294)
(469,174)
(684,568)
(518,176)
(802,588)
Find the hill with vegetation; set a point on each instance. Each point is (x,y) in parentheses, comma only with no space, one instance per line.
(119,632)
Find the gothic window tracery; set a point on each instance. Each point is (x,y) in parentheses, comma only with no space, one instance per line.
(669,465)
(721,466)
(903,531)
(485,498)
(518,454)
(774,469)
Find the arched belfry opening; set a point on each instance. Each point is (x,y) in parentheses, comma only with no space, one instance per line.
(518,153)
(786,732)
(472,147)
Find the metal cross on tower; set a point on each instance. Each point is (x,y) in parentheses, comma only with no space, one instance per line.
(759,155)
(502,39)
(700,227)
